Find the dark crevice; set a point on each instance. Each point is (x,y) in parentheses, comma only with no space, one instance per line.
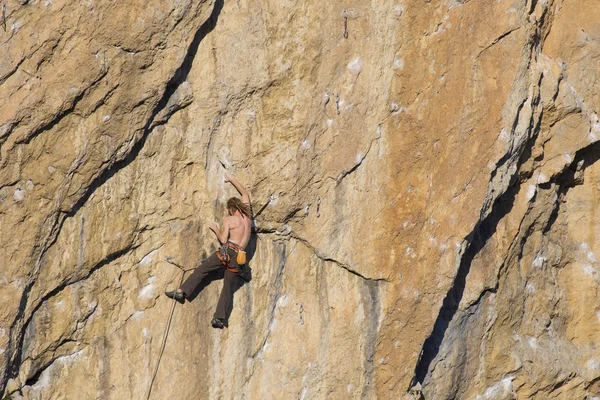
(36,376)
(180,76)
(532,7)
(535,41)
(10,73)
(483,295)
(351,271)
(571,177)
(484,229)
(499,38)
(561,383)
(509,155)
(592,382)
(568,178)
(347,172)
(290,215)
(57,118)
(482,232)
(263,208)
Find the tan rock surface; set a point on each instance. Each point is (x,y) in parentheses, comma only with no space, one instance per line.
(425,193)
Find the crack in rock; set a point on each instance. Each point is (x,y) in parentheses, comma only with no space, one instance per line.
(317,252)
(344,173)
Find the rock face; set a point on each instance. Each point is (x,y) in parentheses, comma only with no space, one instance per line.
(425,193)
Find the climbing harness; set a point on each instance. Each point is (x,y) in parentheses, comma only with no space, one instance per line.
(224,256)
(167,327)
(243,271)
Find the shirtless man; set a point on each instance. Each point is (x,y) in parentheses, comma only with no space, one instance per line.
(233,237)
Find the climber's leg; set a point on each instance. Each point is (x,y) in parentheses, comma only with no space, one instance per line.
(209,265)
(226,298)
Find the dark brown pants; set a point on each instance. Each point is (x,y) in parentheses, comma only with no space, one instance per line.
(213,263)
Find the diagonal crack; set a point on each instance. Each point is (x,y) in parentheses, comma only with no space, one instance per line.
(61,114)
(499,38)
(344,173)
(317,252)
(35,378)
(560,183)
(497,204)
(473,244)
(286,231)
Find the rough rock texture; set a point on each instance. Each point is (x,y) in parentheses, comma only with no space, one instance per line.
(425,193)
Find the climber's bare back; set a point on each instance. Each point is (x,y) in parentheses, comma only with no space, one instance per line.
(240,228)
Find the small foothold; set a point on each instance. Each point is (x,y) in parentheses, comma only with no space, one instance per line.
(398,11)
(19,195)
(416,390)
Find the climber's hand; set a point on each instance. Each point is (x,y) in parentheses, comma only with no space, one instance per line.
(214,226)
(227,176)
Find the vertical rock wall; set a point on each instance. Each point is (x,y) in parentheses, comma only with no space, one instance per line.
(424,189)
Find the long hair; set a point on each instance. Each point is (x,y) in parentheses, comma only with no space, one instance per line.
(235,204)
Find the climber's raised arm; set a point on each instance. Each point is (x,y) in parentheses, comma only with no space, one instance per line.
(240,188)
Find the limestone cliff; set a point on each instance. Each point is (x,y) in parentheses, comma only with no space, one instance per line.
(424,179)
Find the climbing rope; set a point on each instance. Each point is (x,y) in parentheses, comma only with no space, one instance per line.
(167,327)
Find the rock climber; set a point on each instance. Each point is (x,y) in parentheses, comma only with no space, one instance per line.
(234,237)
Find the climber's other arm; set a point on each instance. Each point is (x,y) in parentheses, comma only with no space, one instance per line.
(222,235)
(239,187)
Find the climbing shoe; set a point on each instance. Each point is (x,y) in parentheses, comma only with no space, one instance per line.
(217,323)
(175,295)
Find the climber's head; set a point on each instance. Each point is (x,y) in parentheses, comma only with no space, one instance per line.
(235,204)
